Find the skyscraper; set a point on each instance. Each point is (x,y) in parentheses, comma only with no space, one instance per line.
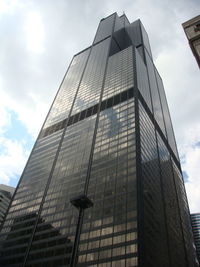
(107,137)
(195,218)
(6,193)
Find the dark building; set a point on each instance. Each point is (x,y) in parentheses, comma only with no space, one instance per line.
(107,136)
(22,227)
(6,193)
(195,219)
(192,31)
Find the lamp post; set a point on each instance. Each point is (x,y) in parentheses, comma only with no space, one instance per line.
(81,202)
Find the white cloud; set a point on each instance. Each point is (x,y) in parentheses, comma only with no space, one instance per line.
(30,112)
(191,165)
(12,157)
(5,119)
(190,138)
(31,116)
(190,155)
(34,32)
(8,6)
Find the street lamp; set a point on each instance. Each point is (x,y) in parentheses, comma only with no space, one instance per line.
(81,202)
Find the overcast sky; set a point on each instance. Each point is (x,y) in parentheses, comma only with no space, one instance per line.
(38,40)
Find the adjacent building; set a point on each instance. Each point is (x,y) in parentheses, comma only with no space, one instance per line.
(192,31)
(6,193)
(195,219)
(107,141)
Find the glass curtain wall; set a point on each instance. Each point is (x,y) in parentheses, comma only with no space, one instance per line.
(108,135)
(109,234)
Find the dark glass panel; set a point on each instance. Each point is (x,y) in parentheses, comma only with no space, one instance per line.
(154,235)
(168,123)
(115,48)
(110,227)
(157,109)
(91,84)
(105,28)
(56,228)
(119,23)
(119,74)
(195,219)
(63,101)
(173,220)
(124,19)
(145,39)
(185,216)
(142,79)
(134,33)
(122,40)
(140,50)
(23,213)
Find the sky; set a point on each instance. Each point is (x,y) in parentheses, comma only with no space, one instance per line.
(38,40)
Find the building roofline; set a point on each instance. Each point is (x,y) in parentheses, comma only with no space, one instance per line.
(190,22)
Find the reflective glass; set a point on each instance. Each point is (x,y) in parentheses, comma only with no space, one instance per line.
(168,123)
(91,84)
(20,222)
(173,220)
(134,32)
(88,145)
(157,109)
(63,101)
(155,232)
(110,227)
(119,74)
(56,227)
(119,23)
(145,39)
(185,215)
(124,19)
(142,79)
(105,28)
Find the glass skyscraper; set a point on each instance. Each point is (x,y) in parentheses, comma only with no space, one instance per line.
(108,136)
(195,218)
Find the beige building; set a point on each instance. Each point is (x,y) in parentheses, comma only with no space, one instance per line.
(192,31)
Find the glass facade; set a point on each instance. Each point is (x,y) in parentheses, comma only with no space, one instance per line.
(119,75)
(108,136)
(154,232)
(195,219)
(109,233)
(63,101)
(91,83)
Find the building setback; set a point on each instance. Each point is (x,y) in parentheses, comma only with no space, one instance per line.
(107,137)
(195,218)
